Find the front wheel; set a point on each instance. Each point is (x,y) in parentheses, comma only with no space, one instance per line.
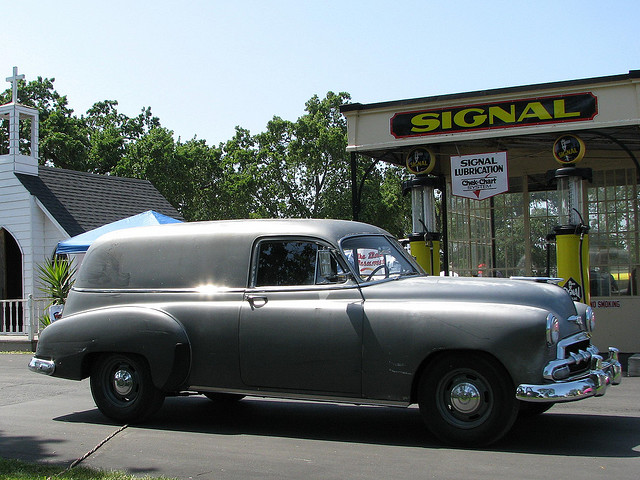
(123,390)
(467,399)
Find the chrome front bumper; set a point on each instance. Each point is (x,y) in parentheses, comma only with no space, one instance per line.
(592,383)
(38,365)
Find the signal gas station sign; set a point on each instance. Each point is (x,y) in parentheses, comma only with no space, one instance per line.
(517,113)
(479,176)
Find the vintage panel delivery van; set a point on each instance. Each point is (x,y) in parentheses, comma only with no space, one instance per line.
(321,310)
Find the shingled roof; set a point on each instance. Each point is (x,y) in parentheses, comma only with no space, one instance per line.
(81,201)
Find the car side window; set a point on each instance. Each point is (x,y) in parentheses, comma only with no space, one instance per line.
(284,262)
(375,257)
(290,263)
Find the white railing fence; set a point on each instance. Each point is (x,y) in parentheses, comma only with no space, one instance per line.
(22,317)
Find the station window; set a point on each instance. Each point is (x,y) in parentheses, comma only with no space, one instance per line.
(507,235)
(503,236)
(613,199)
(469,236)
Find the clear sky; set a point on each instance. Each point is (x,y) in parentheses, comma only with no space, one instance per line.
(206,66)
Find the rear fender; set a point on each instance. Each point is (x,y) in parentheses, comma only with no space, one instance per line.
(74,341)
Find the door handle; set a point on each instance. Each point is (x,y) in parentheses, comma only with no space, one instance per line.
(256,301)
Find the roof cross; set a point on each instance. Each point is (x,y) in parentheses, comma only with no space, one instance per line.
(14,84)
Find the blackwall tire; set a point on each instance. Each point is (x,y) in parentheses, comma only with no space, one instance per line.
(467,399)
(123,390)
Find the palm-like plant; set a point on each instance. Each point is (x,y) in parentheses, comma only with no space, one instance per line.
(56,279)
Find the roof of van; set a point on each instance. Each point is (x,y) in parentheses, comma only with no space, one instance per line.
(182,255)
(253,228)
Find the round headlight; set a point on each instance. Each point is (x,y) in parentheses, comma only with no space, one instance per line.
(553,330)
(590,318)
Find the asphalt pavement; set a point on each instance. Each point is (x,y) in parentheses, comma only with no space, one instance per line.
(50,420)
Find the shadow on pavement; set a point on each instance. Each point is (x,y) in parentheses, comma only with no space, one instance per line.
(38,449)
(548,434)
(29,448)
(575,435)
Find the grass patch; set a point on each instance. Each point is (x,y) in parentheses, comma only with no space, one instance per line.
(18,470)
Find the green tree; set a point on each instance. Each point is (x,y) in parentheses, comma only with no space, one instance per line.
(63,137)
(302,169)
(92,143)
(382,201)
(303,166)
(185,173)
(110,132)
(236,195)
(196,185)
(319,144)
(151,158)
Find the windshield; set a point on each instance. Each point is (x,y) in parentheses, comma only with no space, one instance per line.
(374,257)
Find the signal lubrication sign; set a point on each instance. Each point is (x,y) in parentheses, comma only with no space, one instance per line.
(479,176)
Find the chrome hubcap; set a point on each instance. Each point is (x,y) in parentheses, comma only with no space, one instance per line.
(123,382)
(465,398)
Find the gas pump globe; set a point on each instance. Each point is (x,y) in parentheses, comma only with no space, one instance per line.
(424,239)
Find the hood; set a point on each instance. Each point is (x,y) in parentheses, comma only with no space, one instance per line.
(476,290)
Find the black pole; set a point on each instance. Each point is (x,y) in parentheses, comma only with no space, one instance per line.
(445,229)
(492,223)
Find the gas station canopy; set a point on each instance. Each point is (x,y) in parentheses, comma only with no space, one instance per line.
(605,111)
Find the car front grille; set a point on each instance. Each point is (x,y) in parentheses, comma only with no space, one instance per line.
(578,356)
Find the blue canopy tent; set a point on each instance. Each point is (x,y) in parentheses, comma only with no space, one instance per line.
(80,243)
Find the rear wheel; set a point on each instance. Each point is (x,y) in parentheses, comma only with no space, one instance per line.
(123,390)
(467,399)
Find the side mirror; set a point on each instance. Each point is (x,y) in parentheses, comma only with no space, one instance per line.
(328,267)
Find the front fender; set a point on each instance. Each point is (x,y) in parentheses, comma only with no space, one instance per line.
(74,340)
(395,352)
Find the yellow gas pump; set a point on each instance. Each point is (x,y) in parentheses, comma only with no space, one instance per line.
(571,235)
(424,240)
